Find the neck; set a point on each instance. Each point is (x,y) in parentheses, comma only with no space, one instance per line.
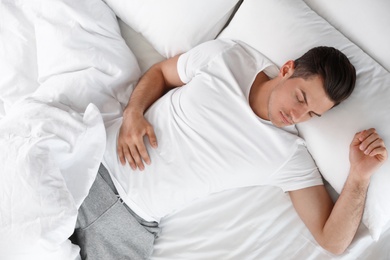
(259,95)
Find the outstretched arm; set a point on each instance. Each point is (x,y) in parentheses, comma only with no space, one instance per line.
(154,83)
(334,226)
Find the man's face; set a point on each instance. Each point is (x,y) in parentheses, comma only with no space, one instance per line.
(295,100)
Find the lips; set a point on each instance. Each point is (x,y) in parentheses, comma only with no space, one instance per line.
(285,119)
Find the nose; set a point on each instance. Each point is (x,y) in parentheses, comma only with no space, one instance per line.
(300,113)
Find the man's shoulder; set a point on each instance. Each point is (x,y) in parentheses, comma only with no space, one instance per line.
(221,51)
(246,51)
(219,46)
(235,46)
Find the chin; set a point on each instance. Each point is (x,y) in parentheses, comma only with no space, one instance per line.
(276,123)
(280,125)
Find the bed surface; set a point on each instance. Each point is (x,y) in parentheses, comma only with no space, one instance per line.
(51,53)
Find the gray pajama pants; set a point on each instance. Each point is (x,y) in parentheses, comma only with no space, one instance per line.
(108,229)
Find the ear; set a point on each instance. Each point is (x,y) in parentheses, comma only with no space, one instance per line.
(287,69)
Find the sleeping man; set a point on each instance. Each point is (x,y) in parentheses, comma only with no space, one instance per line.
(219,117)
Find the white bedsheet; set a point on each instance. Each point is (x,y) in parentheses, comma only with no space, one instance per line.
(252,223)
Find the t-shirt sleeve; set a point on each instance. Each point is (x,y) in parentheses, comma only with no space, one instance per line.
(299,172)
(191,62)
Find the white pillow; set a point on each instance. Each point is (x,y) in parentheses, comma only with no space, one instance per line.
(365,22)
(174,26)
(285,29)
(144,52)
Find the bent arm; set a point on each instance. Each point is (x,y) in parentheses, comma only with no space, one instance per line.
(334,226)
(160,78)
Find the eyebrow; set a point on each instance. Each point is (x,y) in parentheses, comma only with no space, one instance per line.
(304,97)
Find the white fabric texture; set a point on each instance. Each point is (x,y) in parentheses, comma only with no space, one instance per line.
(145,53)
(247,223)
(174,26)
(44,177)
(209,138)
(364,22)
(19,68)
(261,218)
(65,55)
(290,28)
(251,223)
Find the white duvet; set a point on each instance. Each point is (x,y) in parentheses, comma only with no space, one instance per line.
(66,71)
(43,180)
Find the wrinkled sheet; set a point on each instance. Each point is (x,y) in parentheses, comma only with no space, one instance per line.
(66,72)
(45,175)
(252,223)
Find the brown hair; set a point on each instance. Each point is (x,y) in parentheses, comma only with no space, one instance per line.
(336,71)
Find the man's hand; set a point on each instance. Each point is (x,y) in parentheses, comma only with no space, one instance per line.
(367,153)
(131,146)
(158,80)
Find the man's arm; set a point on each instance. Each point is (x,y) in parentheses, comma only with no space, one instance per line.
(154,83)
(334,226)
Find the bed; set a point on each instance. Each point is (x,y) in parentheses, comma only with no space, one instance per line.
(68,68)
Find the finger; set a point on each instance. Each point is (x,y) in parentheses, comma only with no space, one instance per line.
(152,137)
(365,133)
(121,155)
(374,145)
(129,157)
(368,141)
(143,152)
(380,153)
(137,158)
(356,139)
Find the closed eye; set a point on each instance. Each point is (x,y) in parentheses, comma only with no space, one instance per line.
(311,113)
(302,101)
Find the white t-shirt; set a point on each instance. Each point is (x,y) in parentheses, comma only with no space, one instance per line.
(209,139)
